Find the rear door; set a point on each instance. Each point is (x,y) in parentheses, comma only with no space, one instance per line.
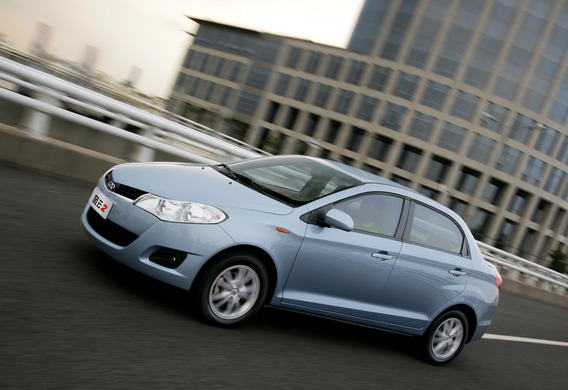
(433,268)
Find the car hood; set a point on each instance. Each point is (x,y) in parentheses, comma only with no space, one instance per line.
(197,183)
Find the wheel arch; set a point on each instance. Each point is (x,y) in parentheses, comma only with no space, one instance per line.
(259,253)
(469,315)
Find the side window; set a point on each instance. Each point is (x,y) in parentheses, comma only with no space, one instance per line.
(374,213)
(430,228)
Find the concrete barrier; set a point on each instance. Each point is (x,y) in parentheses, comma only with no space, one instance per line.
(52,157)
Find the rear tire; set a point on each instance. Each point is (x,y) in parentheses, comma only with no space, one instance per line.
(233,289)
(445,338)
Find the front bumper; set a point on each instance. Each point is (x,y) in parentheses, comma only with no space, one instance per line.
(132,235)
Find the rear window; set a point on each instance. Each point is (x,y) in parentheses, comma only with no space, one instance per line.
(433,229)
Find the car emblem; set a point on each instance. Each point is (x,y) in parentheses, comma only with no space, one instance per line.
(111,185)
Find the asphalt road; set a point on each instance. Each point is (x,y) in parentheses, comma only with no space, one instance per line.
(71,318)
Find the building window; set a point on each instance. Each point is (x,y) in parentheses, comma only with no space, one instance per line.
(558,218)
(493,192)
(302,90)
(506,234)
(422,126)
(547,140)
(438,169)
(533,171)
(356,139)
(540,211)
(480,223)
(226,96)
(219,67)
(429,192)
(458,206)
(367,108)
(344,102)
(195,60)
(283,84)
(494,117)
(490,44)
(380,148)
(481,148)
(508,160)
(406,86)
(188,58)
(272,112)
(356,72)
(555,181)
(234,75)
(409,159)
(402,22)
(465,105)
(257,78)
(468,181)
(372,169)
(247,104)
(293,57)
(563,152)
(311,124)
(452,137)
(559,107)
(322,96)
(292,117)
(519,202)
(380,78)
(313,62)
(334,67)
(401,180)
(393,116)
(435,95)
(521,128)
(427,33)
(332,131)
(527,243)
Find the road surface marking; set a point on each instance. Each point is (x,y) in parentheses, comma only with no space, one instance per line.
(525,340)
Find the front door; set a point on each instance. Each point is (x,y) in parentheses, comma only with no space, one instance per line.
(342,273)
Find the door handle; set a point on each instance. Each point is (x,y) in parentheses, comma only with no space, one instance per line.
(382,255)
(457,272)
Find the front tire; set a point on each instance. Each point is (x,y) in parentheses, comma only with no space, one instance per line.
(233,290)
(445,338)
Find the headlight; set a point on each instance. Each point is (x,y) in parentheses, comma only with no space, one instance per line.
(177,211)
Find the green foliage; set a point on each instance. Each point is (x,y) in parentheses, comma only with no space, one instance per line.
(558,262)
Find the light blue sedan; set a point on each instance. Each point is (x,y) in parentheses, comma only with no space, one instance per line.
(299,233)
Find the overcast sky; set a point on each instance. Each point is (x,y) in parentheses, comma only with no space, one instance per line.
(151,34)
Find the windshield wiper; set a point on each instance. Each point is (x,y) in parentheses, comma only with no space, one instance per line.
(224,168)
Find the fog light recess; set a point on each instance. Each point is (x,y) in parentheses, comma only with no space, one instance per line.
(168,257)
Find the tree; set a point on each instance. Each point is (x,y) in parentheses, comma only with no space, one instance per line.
(558,262)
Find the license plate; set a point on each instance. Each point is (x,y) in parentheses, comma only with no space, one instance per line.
(100,203)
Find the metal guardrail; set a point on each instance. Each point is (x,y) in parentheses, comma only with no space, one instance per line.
(517,268)
(192,141)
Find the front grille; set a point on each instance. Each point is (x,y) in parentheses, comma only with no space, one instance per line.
(110,230)
(128,192)
(122,189)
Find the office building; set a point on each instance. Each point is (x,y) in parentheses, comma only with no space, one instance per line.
(465,101)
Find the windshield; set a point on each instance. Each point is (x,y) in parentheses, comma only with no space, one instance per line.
(293,180)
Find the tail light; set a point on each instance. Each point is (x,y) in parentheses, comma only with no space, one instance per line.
(499,279)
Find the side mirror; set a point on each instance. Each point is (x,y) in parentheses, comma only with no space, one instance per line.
(339,219)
